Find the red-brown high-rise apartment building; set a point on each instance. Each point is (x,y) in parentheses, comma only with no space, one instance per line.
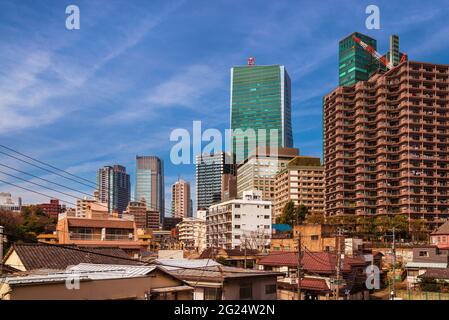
(386,143)
(181,204)
(52,209)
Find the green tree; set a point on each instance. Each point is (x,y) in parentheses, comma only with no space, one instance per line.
(301,213)
(288,214)
(316,218)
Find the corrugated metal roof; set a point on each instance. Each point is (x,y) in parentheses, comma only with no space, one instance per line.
(435,265)
(187,263)
(83,272)
(114,268)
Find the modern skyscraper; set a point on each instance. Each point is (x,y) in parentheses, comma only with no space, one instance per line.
(209,177)
(355,63)
(180,204)
(260,100)
(114,187)
(386,144)
(150,183)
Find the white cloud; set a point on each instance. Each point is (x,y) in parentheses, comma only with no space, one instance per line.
(186,88)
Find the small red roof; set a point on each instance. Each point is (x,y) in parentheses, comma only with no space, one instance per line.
(320,262)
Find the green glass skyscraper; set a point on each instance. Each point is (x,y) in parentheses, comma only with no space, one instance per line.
(355,63)
(260,102)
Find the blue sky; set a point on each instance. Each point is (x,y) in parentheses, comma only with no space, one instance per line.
(136,70)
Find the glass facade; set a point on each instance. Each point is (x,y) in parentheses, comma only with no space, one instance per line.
(260,102)
(209,173)
(114,187)
(355,63)
(150,183)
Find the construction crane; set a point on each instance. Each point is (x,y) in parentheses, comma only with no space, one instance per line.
(388,64)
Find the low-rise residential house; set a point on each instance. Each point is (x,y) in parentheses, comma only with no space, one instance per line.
(213,281)
(317,237)
(318,276)
(29,257)
(283,242)
(97,282)
(232,257)
(425,258)
(440,237)
(100,229)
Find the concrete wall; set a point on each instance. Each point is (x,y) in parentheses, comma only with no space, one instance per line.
(231,288)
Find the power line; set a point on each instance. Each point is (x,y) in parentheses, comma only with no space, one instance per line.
(94,184)
(47,170)
(37,192)
(40,178)
(46,164)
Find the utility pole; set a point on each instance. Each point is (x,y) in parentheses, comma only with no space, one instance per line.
(338,266)
(299,267)
(393,249)
(245,252)
(1,250)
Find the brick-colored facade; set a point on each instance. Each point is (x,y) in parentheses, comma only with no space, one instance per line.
(302,182)
(386,144)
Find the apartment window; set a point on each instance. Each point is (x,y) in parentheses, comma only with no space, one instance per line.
(237,236)
(266,217)
(237,216)
(423,253)
(246,290)
(266,227)
(237,226)
(270,289)
(237,206)
(267,207)
(315,237)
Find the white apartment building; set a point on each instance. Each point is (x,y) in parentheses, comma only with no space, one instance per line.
(192,233)
(240,223)
(7,202)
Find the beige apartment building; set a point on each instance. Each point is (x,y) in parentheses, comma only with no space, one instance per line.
(260,169)
(181,204)
(302,181)
(386,144)
(192,233)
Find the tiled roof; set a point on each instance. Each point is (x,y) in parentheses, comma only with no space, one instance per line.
(101,223)
(312,284)
(42,256)
(319,262)
(444,229)
(436,274)
(219,273)
(206,254)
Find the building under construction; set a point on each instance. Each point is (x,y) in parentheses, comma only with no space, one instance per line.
(386,140)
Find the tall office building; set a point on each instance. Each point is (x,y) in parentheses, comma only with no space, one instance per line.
(150,183)
(114,187)
(386,144)
(209,177)
(355,63)
(180,203)
(260,100)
